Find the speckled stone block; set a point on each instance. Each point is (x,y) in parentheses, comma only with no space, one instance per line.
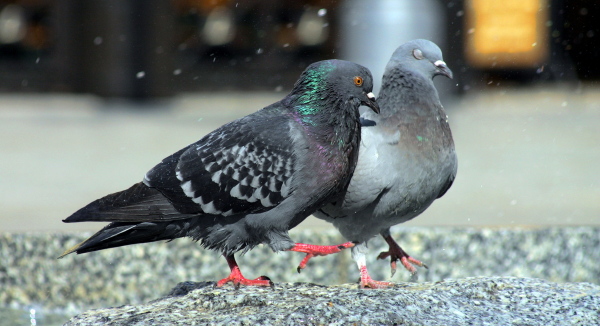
(470,301)
(31,276)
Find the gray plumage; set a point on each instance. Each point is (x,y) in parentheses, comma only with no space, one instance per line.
(407,157)
(251,180)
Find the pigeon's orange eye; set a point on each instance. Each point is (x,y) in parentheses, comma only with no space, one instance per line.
(358,81)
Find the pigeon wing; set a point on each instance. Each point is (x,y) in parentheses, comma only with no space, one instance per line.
(239,168)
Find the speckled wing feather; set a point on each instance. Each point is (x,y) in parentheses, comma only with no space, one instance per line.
(239,168)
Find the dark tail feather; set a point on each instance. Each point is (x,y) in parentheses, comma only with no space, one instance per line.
(122,234)
(139,203)
(139,214)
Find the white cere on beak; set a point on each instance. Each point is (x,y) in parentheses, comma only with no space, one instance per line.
(370,95)
(440,63)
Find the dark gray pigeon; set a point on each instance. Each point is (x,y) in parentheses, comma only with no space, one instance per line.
(251,180)
(406,161)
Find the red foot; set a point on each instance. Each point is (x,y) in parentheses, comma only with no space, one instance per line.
(396,253)
(238,279)
(316,250)
(367,282)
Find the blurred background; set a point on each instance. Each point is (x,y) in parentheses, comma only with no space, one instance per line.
(94,93)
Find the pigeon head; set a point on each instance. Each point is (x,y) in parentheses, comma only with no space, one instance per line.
(328,80)
(422,56)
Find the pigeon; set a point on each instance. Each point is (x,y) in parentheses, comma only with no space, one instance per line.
(407,158)
(251,180)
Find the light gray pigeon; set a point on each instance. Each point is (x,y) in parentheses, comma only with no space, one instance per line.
(251,180)
(406,161)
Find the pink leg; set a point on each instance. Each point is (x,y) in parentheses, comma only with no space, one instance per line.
(238,279)
(367,282)
(396,253)
(316,250)
(358,254)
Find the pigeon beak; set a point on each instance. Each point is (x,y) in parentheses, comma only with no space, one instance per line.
(371,102)
(442,69)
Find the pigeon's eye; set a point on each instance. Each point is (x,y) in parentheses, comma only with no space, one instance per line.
(418,54)
(358,81)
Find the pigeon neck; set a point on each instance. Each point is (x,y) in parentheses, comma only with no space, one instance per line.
(407,90)
(328,120)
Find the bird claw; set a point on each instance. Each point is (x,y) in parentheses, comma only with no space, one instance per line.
(304,261)
(396,253)
(316,250)
(266,278)
(239,280)
(383,255)
(367,282)
(372,284)
(405,260)
(236,277)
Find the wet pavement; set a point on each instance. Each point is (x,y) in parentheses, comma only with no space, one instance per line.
(527,156)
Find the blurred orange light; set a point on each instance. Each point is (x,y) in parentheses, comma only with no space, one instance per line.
(509,33)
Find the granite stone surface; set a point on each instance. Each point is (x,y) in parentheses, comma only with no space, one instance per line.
(32,278)
(469,301)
